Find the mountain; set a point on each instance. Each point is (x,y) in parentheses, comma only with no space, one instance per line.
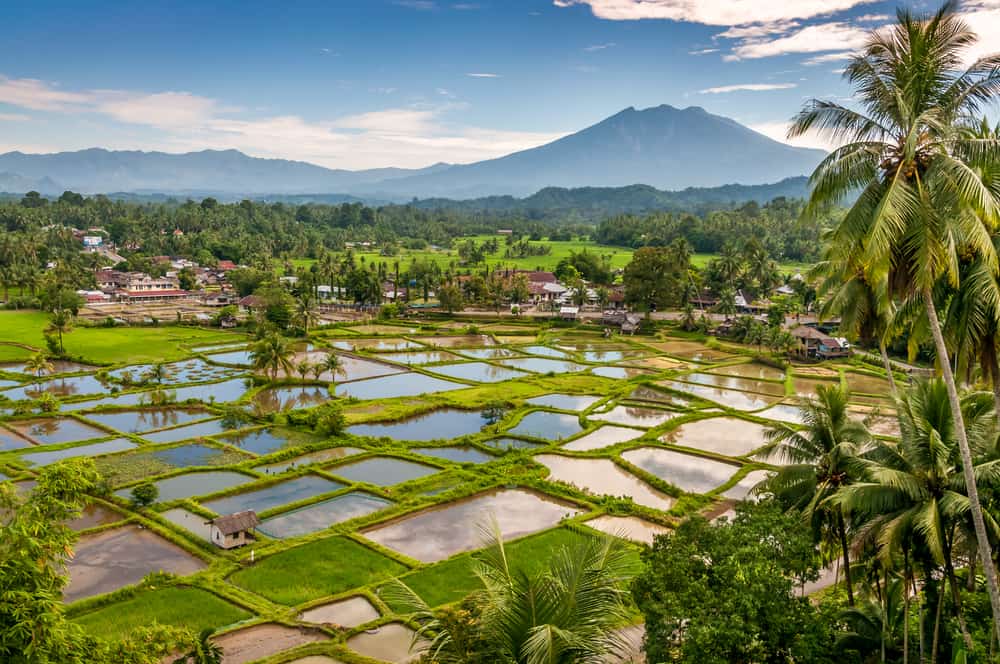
(203,173)
(664,147)
(591,203)
(14,182)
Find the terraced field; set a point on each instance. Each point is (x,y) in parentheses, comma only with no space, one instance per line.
(556,433)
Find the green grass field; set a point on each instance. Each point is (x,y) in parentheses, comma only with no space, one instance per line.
(110,344)
(190,608)
(619,257)
(321,568)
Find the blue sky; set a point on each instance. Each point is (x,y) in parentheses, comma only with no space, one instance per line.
(369,83)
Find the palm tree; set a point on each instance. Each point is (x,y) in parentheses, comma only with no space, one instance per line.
(566,613)
(923,198)
(158,372)
(273,353)
(303,368)
(332,364)
(874,626)
(818,462)
(60,323)
(38,364)
(305,312)
(914,490)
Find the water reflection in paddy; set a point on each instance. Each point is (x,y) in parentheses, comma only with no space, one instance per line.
(282,493)
(807,387)
(57,430)
(743,487)
(691,473)
(691,350)
(194,454)
(193,484)
(322,515)
(137,421)
(242,358)
(487,353)
(382,471)
(480,372)
(861,383)
(439,532)
(12,441)
(275,399)
(349,613)
(629,527)
(209,349)
(94,515)
(544,365)
(60,388)
(458,454)
(261,441)
(723,435)
(351,368)
(618,373)
(511,444)
(565,401)
(195,370)
(632,416)
(94,449)
(193,523)
(400,385)
(375,344)
(196,430)
(470,341)
(643,393)
(420,357)
(603,437)
(388,643)
(227,390)
(753,371)
(735,383)
(320,456)
(731,398)
(550,426)
(603,477)
(544,351)
(783,412)
(58,367)
(440,424)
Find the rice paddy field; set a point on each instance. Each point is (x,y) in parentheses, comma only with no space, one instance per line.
(554,433)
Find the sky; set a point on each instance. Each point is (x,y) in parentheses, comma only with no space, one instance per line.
(372,83)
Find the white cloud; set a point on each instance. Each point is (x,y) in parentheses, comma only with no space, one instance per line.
(466,6)
(984,18)
(872,18)
(419,5)
(703,51)
(779,132)
(599,47)
(713,12)
(410,136)
(746,87)
(836,36)
(482,75)
(827,58)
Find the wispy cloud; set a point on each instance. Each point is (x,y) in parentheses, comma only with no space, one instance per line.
(419,5)
(779,132)
(713,12)
(405,136)
(835,36)
(482,75)
(466,6)
(599,47)
(703,51)
(746,87)
(827,58)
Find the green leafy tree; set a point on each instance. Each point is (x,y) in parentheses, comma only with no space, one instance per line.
(717,594)
(60,324)
(654,278)
(925,198)
(34,544)
(144,494)
(204,651)
(450,297)
(38,364)
(272,354)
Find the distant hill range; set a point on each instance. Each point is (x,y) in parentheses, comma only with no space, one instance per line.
(665,148)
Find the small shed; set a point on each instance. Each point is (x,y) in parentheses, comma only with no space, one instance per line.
(569,313)
(233,530)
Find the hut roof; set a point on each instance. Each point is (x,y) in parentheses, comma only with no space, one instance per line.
(235,523)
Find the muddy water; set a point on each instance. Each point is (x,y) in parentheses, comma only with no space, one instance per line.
(753,371)
(390,643)
(735,383)
(544,365)
(603,477)
(628,527)
(349,613)
(731,398)
(94,515)
(723,435)
(375,344)
(603,437)
(259,641)
(687,472)
(115,558)
(439,532)
(619,373)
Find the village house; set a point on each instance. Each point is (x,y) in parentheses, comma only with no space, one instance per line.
(137,286)
(817,344)
(233,530)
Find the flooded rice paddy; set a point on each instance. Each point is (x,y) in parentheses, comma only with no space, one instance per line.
(258,441)
(564,401)
(634,416)
(723,435)
(193,484)
(277,399)
(94,515)
(348,613)
(61,388)
(250,644)
(604,436)
(49,431)
(320,456)
(619,373)
(382,471)
(549,426)
(400,385)
(629,527)
(190,522)
(690,473)
(439,424)
(458,454)
(276,495)
(603,477)
(319,516)
(735,383)
(12,441)
(421,357)
(40,459)
(544,365)
(440,532)
(478,372)
(389,643)
(149,419)
(196,430)
(731,398)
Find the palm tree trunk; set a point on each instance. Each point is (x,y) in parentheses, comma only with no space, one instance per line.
(845,552)
(995,376)
(956,599)
(888,366)
(963,445)
(937,624)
